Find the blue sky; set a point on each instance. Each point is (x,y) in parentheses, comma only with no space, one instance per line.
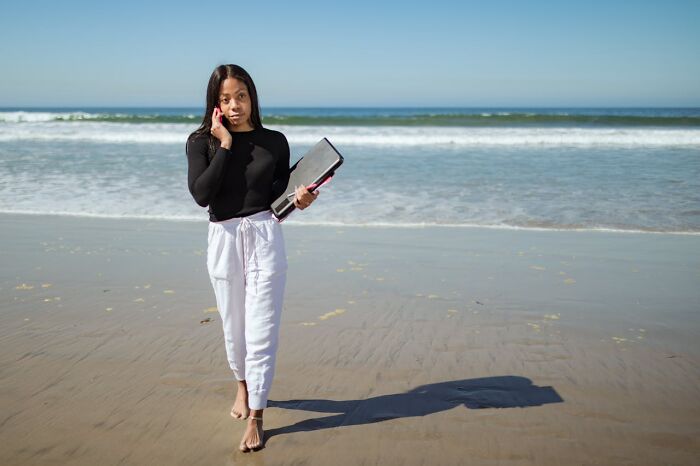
(359,53)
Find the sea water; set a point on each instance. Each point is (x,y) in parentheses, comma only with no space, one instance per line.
(629,170)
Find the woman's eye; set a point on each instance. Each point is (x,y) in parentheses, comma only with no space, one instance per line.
(224,101)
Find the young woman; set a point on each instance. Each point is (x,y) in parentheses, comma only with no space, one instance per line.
(237,168)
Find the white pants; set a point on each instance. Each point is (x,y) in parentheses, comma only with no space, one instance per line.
(247,266)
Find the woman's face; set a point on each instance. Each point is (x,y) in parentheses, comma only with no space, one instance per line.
(234,102)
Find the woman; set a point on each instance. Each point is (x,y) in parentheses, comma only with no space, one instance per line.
(237,168)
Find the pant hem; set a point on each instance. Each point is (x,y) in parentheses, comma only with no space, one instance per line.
(257,400)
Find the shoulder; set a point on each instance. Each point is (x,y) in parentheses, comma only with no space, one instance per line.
(275,136)
(197,143)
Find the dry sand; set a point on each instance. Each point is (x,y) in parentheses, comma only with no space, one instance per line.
(398,346)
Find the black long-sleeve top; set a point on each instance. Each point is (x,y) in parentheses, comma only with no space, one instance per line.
(241,181)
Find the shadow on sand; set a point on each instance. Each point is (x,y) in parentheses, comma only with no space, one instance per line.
(488,392)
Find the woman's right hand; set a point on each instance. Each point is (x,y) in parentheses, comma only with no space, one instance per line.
(219,131)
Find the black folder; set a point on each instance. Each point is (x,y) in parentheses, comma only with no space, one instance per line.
(312,170)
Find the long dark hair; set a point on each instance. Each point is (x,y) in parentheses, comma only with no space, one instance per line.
(220,74)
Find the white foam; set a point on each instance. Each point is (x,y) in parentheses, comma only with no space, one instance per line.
(100,132)
(490,137)
(34,117)
(176,133)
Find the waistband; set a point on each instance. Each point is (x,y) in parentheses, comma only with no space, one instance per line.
(259,216)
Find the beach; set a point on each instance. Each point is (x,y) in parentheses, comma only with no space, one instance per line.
(503,271)
(398,345)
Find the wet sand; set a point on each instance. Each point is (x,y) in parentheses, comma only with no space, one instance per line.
(398,346)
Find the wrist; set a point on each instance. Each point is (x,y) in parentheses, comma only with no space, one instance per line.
(226,144)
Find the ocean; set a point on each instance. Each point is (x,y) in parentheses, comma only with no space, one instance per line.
(607,169)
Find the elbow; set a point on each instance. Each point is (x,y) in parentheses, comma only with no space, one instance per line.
(202,201)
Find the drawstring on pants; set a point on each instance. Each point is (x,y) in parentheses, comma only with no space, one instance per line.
(248,230)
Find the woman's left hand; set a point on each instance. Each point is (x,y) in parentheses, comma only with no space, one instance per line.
(304,198)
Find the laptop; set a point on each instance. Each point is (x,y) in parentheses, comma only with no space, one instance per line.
(312,170)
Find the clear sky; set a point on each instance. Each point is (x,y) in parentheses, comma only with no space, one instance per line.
(353,53)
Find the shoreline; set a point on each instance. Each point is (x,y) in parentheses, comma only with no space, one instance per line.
(292,223)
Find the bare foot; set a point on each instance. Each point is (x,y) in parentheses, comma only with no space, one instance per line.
(253,435)
(240,408)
